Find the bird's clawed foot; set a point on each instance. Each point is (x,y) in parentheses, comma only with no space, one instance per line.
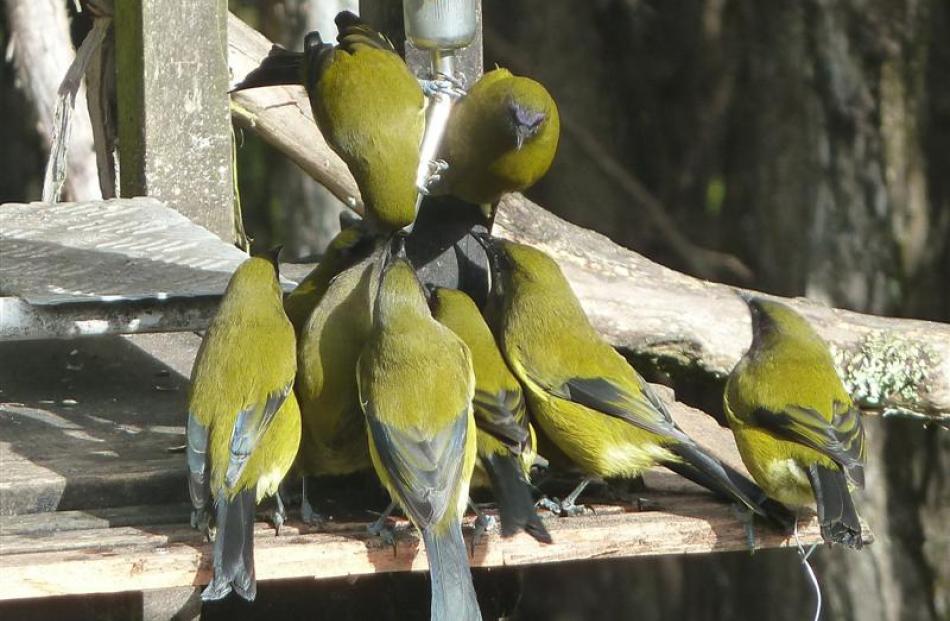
(279,515)
(747,518)
(201,521)
(311,517)
(484,524)
(434,170)
(383,530)
(307,512)
(442,85)
(564,508)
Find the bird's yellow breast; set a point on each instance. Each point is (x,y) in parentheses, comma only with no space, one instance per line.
(776,465)
(599,444)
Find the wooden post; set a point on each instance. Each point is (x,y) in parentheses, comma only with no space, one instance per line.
(174,116)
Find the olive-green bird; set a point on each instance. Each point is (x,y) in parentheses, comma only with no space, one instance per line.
(797,429)
(349,246)
(506,442)
(334,432)
(584,396)
(501,137)
(416,386)
(243,420)
(368,106)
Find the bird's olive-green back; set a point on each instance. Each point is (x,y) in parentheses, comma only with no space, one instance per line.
(247,355)
(788,364)
(416,386)
(414,365)
(334,439)
(481,144)
(369,107)
(455,310)
(541,322)
(500,411)
(341,252)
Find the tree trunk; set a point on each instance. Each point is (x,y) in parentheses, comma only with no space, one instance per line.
(811,140)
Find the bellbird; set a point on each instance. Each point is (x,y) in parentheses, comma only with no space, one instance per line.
(350,245)
(501,137)
(584,396)
(368,106)
(334,434)
(243,420)
(797,429)
(416,386)
(506,443)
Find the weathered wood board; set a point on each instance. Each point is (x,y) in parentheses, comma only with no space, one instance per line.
(108,267)
(47,560)
(89,488)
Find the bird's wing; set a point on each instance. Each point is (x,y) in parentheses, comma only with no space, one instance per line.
(841,439)
(641,408)
(501,414)
(424,469)
(251,424)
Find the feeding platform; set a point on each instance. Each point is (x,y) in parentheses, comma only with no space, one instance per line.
(93,494)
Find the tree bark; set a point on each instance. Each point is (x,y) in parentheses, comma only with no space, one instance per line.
(830,154)
(42,52)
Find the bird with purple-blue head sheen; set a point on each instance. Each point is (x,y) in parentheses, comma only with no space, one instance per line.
(500,138)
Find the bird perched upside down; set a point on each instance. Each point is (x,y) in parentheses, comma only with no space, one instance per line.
(796,427)
(368,106)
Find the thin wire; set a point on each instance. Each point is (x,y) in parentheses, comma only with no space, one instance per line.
(808,570)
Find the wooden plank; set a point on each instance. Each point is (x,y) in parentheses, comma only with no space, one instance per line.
(109,251)
(108,267)
(174,117)
(88,423)
(141,558)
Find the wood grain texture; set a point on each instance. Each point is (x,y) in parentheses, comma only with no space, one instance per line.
(174,121)
(66,560)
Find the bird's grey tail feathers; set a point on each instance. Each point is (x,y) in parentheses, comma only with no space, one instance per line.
(703,469)
(836,513)
(453,596)
(515,503)
(234,548)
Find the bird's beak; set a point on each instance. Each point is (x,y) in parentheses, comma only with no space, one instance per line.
(745,296)
(521,135)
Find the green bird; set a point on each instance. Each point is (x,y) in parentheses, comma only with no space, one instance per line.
(368,106)
(796,427)
(584,396)
(505,440)
(334,432)
(501,137)
(349,246)
(243,420)
(416,386)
